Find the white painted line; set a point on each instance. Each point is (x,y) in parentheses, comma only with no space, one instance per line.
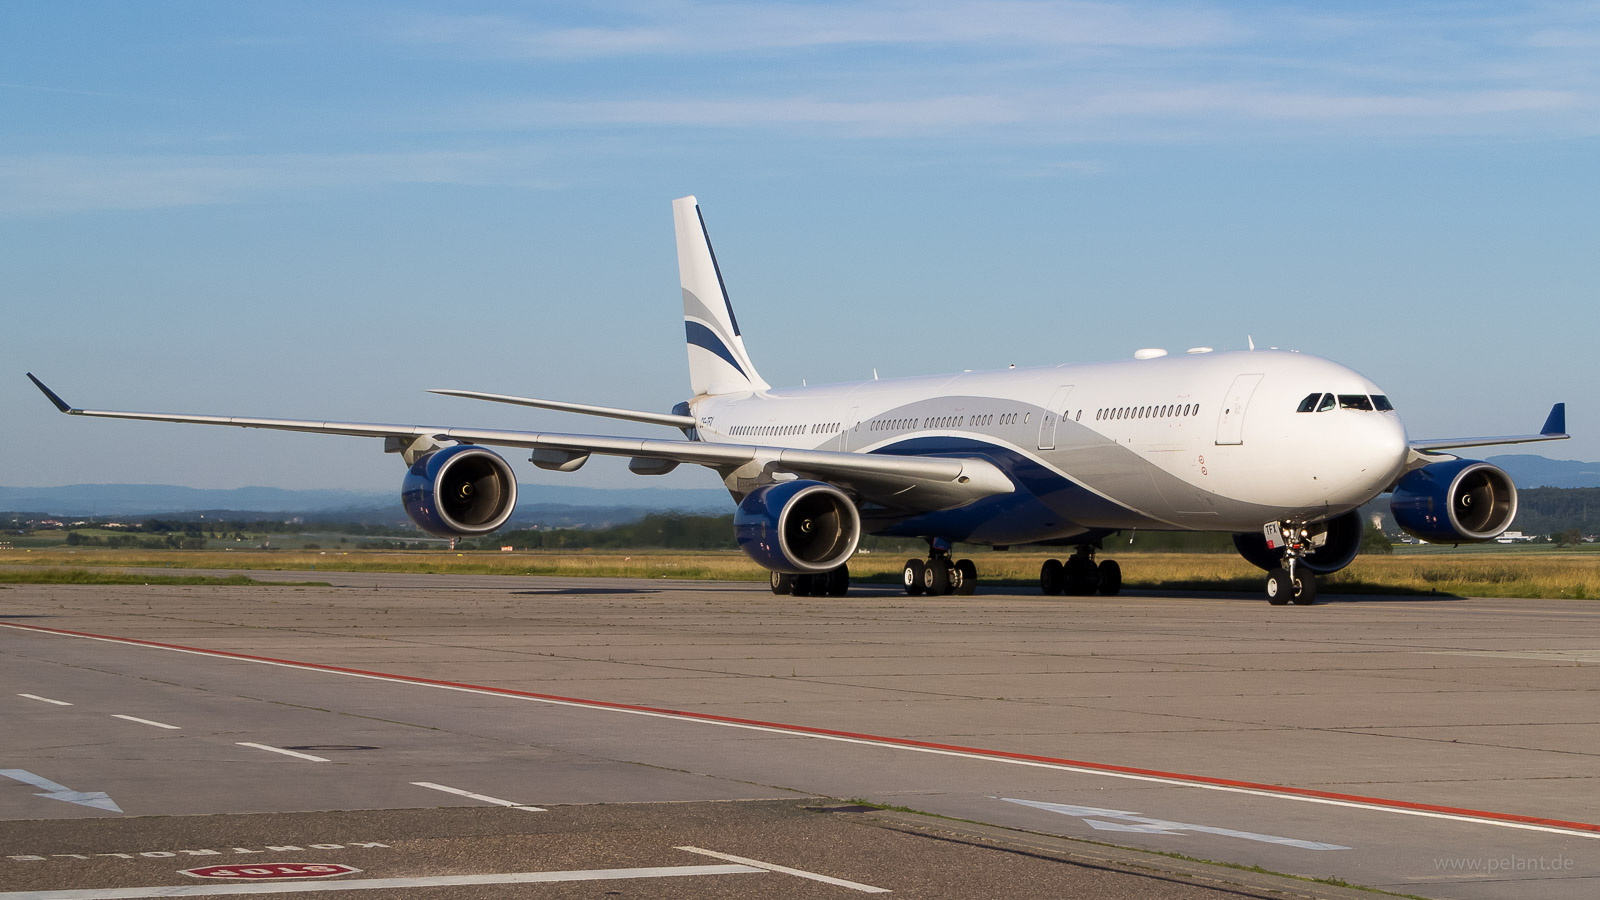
(144,721)
(799,873)
(280,750)
(376,884)
(45,699)
(468,794)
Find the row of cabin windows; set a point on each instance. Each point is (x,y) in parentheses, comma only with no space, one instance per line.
(779,430)
(1167,411)
(948,421)
(1324,402)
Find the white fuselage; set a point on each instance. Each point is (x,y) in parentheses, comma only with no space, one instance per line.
(1206,441)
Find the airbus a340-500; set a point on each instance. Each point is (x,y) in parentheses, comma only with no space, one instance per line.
(1277,448)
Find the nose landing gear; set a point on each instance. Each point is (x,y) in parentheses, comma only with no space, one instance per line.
(1293,582)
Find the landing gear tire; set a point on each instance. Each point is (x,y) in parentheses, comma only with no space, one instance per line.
(1281,589)
(936,577)
(1052,578)
(838,581)
(969,577)
(1110,578)
(1278,589)
(911,576)
(782,582)
(1305,588)
(1082,578)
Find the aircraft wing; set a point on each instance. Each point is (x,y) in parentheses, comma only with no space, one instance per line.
(1554,429)
(913,483)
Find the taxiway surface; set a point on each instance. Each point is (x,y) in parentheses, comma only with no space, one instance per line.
(1440,747)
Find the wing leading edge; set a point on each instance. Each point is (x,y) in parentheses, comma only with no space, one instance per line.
(912,483)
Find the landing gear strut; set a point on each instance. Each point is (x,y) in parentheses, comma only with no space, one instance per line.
(1079,575)
(939,574)
(1293,581)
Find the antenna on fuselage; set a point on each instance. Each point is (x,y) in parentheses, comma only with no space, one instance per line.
(1251,341)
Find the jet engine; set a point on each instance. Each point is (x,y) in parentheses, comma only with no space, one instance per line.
(459,490)
(1457,502)
(797,527)
(1337,550)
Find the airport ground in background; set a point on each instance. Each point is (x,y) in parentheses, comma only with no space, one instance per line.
(1480,572)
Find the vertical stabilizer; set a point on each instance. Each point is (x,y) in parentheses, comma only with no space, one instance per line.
(718,363)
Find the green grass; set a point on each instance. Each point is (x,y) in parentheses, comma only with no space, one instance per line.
(54,575)
(1477,572)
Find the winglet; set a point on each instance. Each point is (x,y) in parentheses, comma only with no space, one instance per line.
(54,397)
(1557,423)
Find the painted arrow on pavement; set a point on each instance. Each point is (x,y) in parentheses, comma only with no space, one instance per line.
(96,799)
(1133,822)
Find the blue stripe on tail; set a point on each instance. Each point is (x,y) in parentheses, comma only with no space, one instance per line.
(701,336)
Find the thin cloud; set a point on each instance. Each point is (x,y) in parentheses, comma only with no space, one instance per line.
(741,28)
(52,184)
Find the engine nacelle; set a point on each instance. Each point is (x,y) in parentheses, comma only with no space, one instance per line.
(1458,502)
(1337,551)
(459,490)
(797,527)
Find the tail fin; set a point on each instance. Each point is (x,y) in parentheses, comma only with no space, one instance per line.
(718,363)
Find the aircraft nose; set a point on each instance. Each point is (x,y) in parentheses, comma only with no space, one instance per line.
(1384,448)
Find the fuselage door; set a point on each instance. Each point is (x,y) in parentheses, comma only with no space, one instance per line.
(1053,415)
(1230,421)
(852,424)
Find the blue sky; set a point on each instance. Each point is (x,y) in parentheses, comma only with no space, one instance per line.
(319,210)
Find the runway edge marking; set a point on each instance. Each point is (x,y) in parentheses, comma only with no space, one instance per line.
(1110,770)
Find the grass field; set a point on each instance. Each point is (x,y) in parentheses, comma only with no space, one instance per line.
(65,575)
(1492,572)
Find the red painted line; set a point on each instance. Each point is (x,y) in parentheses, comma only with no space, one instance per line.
(1109,768)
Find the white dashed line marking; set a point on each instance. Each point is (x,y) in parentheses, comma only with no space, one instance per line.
(293,753)
(45,699)
(144,721)
(798,873)
(468,794)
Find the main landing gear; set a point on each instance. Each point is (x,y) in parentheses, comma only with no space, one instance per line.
(1293,581)
(938,574)
(834,583)
(1079,576)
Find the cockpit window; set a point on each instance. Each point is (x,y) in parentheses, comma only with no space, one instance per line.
(1309,404)
(1326,404)
(1355,401)
(1382,403)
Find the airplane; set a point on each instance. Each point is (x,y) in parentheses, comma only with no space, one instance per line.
(1279,449)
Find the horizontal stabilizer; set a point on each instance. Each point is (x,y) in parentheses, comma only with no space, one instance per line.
(609,412)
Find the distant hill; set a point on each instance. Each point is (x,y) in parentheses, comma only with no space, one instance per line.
(1529,471)
(554,501)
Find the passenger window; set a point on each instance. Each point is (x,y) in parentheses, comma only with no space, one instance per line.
(1326,404)
(1309,404)
(1382,403)
(1355,401)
